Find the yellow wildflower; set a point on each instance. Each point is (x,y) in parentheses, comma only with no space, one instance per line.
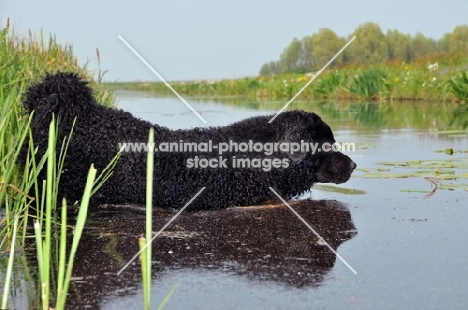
(301,78)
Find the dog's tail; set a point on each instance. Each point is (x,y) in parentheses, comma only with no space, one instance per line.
(61,93)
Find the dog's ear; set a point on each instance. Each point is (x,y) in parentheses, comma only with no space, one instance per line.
(297,127)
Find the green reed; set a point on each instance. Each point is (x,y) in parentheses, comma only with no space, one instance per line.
(6,288)
(367,83)
(330,84)
(420,80)
(145,256)
(145,242)
(459,85)
(46,221)
(23,60)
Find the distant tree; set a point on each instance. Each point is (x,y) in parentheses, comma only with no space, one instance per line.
(370,46)
(308,61)
(443,45)
(326,43)
(290,58)
(422,46)
(270,68)
(455,42)
(398,46)
(459,42)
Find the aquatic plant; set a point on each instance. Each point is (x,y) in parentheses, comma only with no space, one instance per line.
(22,60)
(367,83)
(145,242)
(459,86)
(436,172)
(9,269)
(420,80)
(146,254)
(46,219)
(330,83)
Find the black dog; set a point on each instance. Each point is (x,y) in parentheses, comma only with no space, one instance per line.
(99,133)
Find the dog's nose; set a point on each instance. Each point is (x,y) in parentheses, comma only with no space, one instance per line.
(353,165)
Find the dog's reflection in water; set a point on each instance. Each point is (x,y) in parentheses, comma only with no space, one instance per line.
(259,243)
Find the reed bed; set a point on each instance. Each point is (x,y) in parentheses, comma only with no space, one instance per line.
(435,78)
(24,60)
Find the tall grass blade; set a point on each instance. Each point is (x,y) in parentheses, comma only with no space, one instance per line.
(144,271)
(106,172)
(80,222)
(50,203)
(168,296)
(63,250)
(40,251)
(6,288)
(149,219)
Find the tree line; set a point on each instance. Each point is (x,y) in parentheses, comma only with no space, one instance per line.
(371,46)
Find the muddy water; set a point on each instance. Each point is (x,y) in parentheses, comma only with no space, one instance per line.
(407,245)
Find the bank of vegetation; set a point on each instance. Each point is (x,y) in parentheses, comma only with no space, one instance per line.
(24,60)
(376,66)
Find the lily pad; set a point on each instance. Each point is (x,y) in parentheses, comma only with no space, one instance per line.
(461,132)
(415,191)
(442,174)
(448,151)
(341,190)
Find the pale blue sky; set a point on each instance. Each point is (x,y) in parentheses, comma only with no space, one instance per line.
(206,39)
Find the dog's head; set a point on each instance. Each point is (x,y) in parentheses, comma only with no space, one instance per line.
(62,93)
(334,167)
(327,164)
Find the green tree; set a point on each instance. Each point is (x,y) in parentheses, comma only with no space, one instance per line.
(270,68)
(422,46)
(290,58)
(326,43)
(369,47)
(308,60)
(455,42)
(443,45)
(459,43)
(398,46)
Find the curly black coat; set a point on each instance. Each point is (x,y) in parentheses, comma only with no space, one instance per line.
(99,131)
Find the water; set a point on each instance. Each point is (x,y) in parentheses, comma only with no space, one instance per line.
(407,247)
(408,251)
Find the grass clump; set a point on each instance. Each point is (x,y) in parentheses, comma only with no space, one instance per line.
(24,60)
(368,83)
(459,86)
(435,78)
(330,84)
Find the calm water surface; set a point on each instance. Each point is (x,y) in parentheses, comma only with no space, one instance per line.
(407,246)
(409,250)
